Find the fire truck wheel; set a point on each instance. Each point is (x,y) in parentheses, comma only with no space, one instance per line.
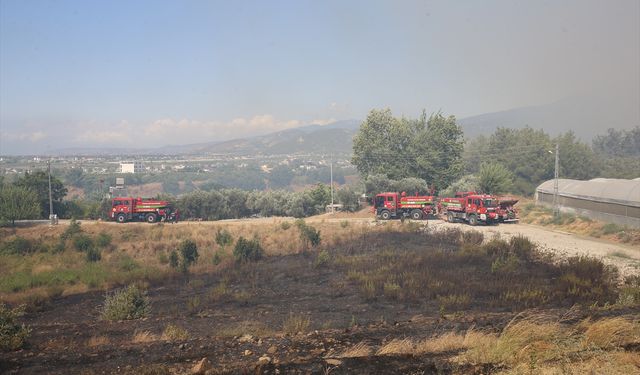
(450,217)
(151,218)
(121,218)
(473,220)
(385,215)
(416,215)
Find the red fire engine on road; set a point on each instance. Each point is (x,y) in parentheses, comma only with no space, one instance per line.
(471,207)
(125,209)
(398,205)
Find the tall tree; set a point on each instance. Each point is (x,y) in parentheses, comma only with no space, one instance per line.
(438,148)
(18,203)
(381,145)
(494,178)
(38,182)
(430,149)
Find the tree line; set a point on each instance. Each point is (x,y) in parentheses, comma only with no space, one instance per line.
(430,154)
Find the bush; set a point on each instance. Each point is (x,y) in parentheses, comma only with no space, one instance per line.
(247,250)
(93,255)
(82,242)
(174,260)
(611,228)
(322,259)
(126,304)
(223,238)
(308,234)
(174,333)
(18,245)
(12,334)
(103,240)
(72,230)
(189,253)
(285,225)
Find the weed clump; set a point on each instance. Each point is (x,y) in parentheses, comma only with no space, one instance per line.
(12,334)
(126,304)
(247,250)
(174,333)
(296,324)
(322,259)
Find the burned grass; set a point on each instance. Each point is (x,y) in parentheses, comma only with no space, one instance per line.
(385,299)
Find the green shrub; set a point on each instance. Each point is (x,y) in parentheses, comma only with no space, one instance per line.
(611,228)
(126,304)
(103,240)
(82,242)
(285,225)
(223,238)
(217,258)
(93,255)
(12,334)
(60,246)
(174,260)
(344,223)
(322,259)
(247,250)
(189,253)
(18,245)
(72,230)
(308,234)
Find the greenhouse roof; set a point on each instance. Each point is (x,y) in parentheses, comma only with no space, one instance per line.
(626,192)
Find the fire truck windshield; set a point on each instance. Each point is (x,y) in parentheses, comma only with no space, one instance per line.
(489,203)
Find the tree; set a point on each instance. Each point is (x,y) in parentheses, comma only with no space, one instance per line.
(397,148)
(189,254)
(223,238)
(381,145)
(438,150)
(577,160)
(349,199)
(18,203)
(465,183)
(494,178)
(38,182)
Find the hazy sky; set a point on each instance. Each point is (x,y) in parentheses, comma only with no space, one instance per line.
(150,73)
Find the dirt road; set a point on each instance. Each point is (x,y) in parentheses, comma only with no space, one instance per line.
(626,258)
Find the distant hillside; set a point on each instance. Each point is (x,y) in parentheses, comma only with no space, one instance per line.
(586,116)
(332,138)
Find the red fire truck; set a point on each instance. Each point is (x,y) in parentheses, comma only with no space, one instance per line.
(398,205)
(125,209)
(471,207)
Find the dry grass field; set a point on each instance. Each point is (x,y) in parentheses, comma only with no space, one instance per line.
(370,297)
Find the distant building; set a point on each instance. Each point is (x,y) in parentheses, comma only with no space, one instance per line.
(131,167)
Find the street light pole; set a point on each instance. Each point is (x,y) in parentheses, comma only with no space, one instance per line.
(556,209)
(51,217)
(331,169)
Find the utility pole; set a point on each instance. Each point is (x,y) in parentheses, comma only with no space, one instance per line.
(331,169)
(52,220)
(556,209)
